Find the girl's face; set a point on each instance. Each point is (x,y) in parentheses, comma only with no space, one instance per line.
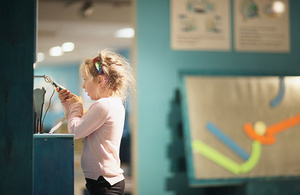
(90,86)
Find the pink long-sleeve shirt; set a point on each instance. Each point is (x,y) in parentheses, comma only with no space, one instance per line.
(102,128)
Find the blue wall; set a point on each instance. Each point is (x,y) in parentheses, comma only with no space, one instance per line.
(160,156)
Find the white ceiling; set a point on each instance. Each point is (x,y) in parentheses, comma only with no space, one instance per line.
(58,23)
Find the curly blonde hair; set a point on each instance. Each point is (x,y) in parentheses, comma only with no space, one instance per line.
(116,70)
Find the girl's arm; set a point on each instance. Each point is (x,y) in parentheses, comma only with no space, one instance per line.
(83,125)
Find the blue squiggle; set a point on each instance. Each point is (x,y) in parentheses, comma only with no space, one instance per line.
(280,95)
(227,141)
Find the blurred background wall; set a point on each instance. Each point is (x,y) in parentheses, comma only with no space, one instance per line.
(159,162)
(160,153)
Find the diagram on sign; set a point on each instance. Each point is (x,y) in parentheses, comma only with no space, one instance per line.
(200,24)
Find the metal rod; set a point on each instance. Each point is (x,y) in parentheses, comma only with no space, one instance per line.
(39,76)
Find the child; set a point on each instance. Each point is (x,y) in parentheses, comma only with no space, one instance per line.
(106,79)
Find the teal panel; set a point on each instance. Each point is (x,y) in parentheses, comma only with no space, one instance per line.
(17,55)
(53,164)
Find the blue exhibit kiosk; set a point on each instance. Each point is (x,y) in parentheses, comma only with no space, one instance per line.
(53,156)
(53,164)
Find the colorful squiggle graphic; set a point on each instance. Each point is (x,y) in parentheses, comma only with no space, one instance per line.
(227,141)
(226,162)
(223,161)
(267,135)
(260,133)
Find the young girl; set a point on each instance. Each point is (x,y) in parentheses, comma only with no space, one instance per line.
(106,79)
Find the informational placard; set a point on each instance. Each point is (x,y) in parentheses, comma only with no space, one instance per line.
(239,128)
(261,26)
(200,25)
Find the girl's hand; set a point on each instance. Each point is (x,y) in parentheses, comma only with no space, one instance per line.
(74,98)
(63,94)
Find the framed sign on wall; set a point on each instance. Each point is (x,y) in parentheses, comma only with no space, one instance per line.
(240,128)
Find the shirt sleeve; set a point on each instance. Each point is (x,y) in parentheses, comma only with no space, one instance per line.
(65,106)
(83,125)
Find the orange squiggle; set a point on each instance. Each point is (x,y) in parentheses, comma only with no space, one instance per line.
(269,137)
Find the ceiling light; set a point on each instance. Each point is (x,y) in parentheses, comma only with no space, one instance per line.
(56,51)
(68,46)
(40,57)
(125,33)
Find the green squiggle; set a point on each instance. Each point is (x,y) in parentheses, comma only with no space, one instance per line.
(216,156)
(226,162)
(254,158)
